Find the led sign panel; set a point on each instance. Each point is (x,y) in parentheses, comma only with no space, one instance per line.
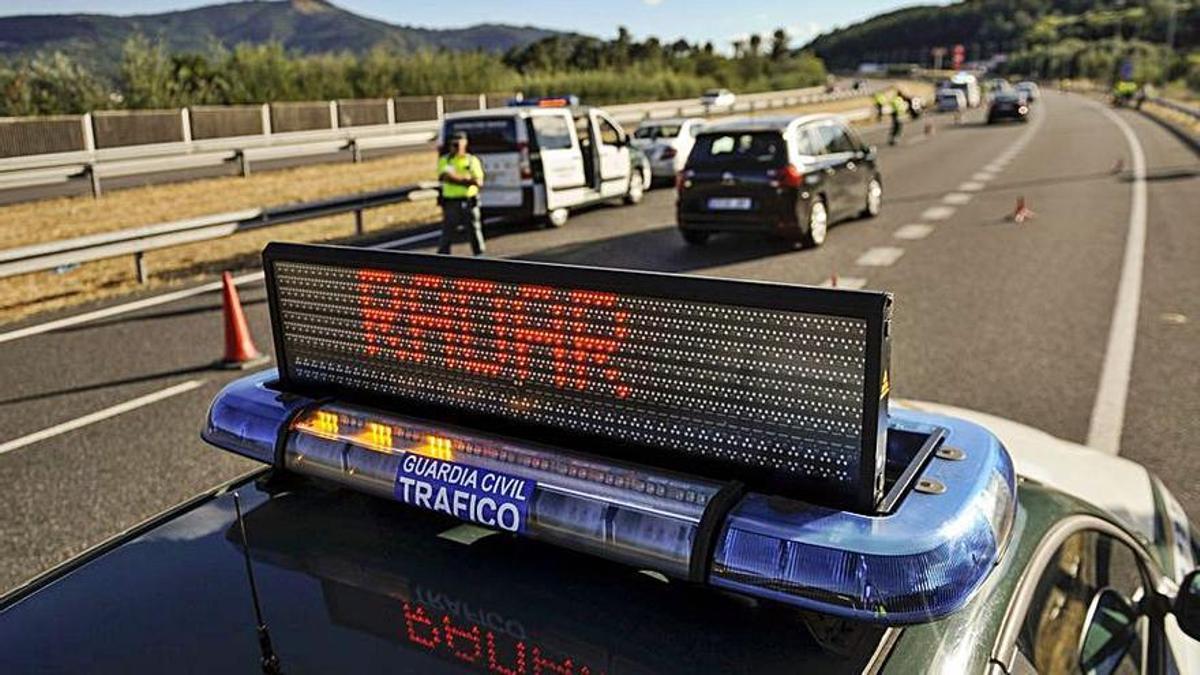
(780,387)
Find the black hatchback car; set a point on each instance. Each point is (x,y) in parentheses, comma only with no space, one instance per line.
(1010,104)
(789,176)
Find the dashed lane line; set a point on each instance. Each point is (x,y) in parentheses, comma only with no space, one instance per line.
(880,256)
(100,415)
(983,176)
(970,186)
(956,198)
(913,231)
(852,283)
(937,213)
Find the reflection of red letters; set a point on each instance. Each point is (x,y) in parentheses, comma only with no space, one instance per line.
(494,665)
(414,615)
(542,664)
(455,636)
(495,330)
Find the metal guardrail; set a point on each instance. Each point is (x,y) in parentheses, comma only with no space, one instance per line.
(95,165)
(138,240)
(1178,107)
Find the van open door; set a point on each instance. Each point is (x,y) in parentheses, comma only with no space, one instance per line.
(562,164)
(613,151)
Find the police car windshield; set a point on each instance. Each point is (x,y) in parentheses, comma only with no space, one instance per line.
(489,134)
(739,149)
(658,131)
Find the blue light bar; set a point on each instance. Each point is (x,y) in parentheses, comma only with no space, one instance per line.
(922,561)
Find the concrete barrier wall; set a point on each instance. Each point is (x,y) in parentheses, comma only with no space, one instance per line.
(416,108)
(221,121)
(362,112)
(300,116)
(117,128)
(40,135)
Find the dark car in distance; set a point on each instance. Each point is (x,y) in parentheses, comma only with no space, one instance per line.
(787,176)
(1008,105)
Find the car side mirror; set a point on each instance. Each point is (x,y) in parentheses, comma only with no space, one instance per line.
(1187,605)
(1109,630)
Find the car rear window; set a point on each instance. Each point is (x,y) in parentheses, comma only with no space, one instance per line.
(487,134)
(657,131)
(739,149)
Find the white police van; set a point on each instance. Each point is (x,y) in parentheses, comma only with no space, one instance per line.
(547,156)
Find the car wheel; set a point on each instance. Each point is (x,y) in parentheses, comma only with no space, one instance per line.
(818,224)
(874,198)
(695,237)
(557,217)
(637,188)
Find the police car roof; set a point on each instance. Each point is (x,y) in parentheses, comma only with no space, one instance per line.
(351,580)
(513,111)
(775,123)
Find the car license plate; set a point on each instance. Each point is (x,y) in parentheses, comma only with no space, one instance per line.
(729,203)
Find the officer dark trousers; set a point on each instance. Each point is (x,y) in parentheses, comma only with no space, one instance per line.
(461,213)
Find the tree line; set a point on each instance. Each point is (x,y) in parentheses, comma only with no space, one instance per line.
(600,71)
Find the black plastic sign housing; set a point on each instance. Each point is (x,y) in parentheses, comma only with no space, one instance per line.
(781,387)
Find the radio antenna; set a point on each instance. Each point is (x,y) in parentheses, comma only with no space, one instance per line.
(270,662)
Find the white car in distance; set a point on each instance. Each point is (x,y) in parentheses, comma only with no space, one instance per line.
(667,143)
(714,98)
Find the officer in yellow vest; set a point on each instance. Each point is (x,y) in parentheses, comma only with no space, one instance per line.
(461,176)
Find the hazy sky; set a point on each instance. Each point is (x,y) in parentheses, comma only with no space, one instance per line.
(696,20)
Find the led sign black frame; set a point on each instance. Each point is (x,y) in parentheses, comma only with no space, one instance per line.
(873,309)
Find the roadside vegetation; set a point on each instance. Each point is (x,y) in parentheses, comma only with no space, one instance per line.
(599,71)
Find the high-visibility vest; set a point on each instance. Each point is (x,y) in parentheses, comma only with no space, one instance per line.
(468,164)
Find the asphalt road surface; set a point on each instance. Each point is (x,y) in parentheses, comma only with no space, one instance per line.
(1010,319)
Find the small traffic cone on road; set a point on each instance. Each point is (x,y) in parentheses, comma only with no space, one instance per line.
(1118,166)
(833,279)
(240,352)
(1022,213)
(929,128)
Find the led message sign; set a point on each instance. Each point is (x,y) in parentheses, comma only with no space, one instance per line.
(781,387)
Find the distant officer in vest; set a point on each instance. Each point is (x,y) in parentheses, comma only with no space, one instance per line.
(461,175)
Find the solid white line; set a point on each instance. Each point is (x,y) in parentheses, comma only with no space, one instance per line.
(412,239)
(126,307)
(937,213)
(956,198)
(913,231)
(100,415)
(1108,413)
(880,256)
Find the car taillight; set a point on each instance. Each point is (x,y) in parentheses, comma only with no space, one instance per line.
(523,161)
(791,176)
(683,180)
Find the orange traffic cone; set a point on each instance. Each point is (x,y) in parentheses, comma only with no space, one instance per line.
(1022,213)
(1118,166)
(240,352)
(833,279)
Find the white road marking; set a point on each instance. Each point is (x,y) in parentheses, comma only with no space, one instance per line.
(913,231)
(411,239)
(956,198)
(937,213)
(983,176)
(852,283)
(1108,413)
(970,186)
(880,256)
(153,301)
(100,415)
(995,167)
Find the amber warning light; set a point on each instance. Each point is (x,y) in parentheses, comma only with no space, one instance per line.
(776,386)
